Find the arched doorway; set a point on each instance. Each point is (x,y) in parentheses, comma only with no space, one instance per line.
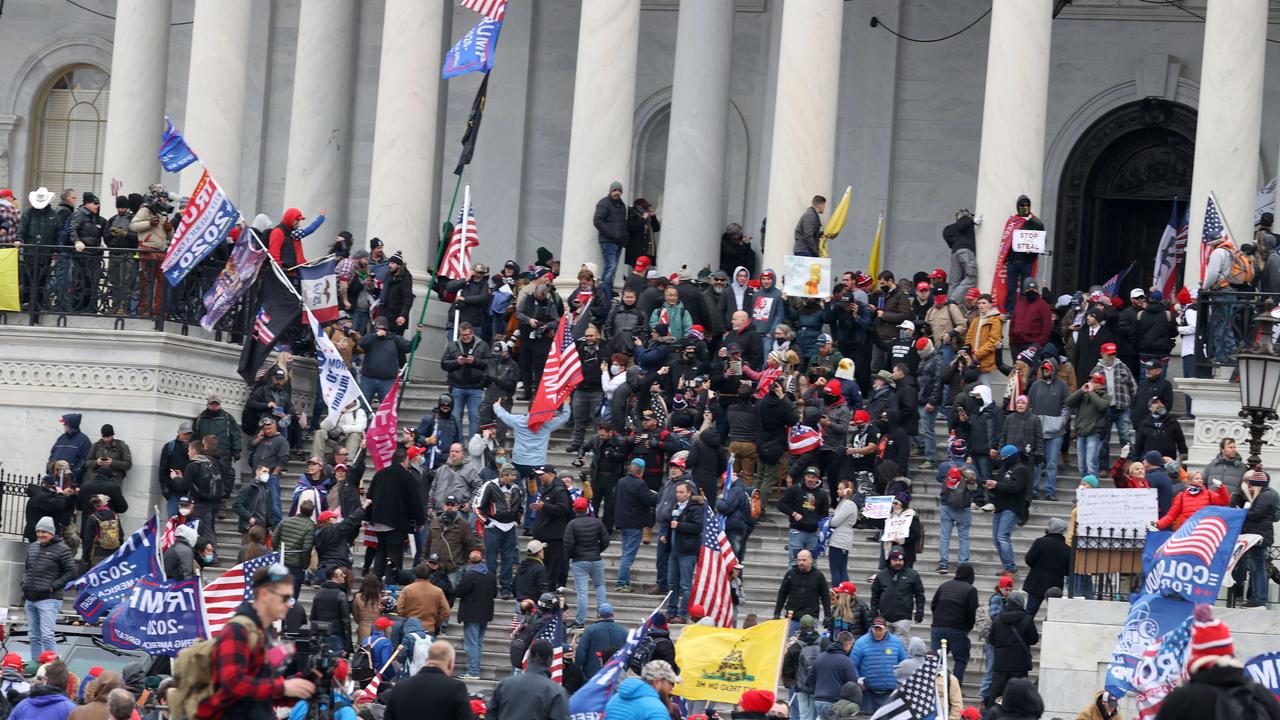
(1117,191)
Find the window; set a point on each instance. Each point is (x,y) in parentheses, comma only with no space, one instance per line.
(70,130)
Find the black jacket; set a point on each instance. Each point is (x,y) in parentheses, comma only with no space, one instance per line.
(1261,514)
(476,593)
(831,672)
(1049,561)
(955,602)
(531,695)
(382,355)
(959,235)
(811,503)
(1013,485)
(47,569)
(173,456)
(1158,433)
(1215,691)
(585,538)
(531,579)
(686,537)
(430,688)
(474,305)
(777,415)
(331,605)
(557,508)
(470,375)
(45,500)
(610,219)
(803,593)
(1155,330)
(634,503)
(895,592)
(500,506)
(396,499)
(1013,632)
(333,541)
(397,298)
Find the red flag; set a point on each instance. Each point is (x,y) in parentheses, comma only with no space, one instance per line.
(380,440)
(562,373)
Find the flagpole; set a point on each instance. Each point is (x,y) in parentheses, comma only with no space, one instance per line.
(946,681)
(433,277)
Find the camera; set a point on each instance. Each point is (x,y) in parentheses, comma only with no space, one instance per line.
(316,658)
(157,203)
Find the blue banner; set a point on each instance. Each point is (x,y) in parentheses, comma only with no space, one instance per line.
(1193,561)
(174,153)
(205,223)
(1265,670)
(108,583)
(160,617)
(589,701)
(1150,617)
(475,51)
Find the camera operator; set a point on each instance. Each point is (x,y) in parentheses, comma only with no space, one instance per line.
(537,314)
(334,689)
(152,226)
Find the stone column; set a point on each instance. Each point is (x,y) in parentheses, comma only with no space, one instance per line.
(1011,161)
(320,121)
(403,175)
(135,113)
(214,121)
(1229,123)
(604,100)
(803,154)
(693,197)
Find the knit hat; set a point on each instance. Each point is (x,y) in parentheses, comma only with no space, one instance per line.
(637,462)
(861,417)
(1153,457)
(897,555)
(1005,581)
(108,431)
(1184,297)
(122,201)
(397,258)
(1090,480)
(698,331)
(756,701)
(958,446)
(1211,642)
(544,256)
(807,622)
(660,620)
(89,198)
(1259,478)
(902,498)
(615,185)
(45,524)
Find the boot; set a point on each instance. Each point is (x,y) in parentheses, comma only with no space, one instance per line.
(648,536)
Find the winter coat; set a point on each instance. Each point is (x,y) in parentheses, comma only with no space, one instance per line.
(686,538)
(678,319)
(803,593)
(471,301)
(1189,502)
(896,306)
(39,227)
(331,605)
(1032,323)
(453,542)
(1013,487)
(1048,562)
(1155,330)
(1089,349)
(476,593)
(808,229)
(283,245)
(597,644)
(1048,400)
(929,375)
(1091,410)
(47,500)
(1140,409)
(397,297)
(531,695)
(557,509)
(1260,518)
(382,355)
(531,579)
(459,481)
(44,703)
(500,506)
(874,660)
(220,424)
(984,335)
(960,235)
(423,600)
(179,560)
(333,540)
(254,501)
(735,507)
(955,602)
(636,700)
(811,503)
(297,535)
(47,569)
(429,688)
(1025,432)
(397,502)
(634,503)
(831,672)
(119,455)
(530,445)
(842,523)
(72,446)
(1205,695)
(471,375)
(585,538)
(768,308)
(898,595)
(1013,632)
(610,219)
(1229,472)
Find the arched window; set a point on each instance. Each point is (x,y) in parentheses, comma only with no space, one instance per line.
(70,130)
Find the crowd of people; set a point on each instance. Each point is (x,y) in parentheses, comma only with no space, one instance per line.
(813,404)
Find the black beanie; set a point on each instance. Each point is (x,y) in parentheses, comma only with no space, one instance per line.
(89,198)
(108,431)
(135,202)
(122,201)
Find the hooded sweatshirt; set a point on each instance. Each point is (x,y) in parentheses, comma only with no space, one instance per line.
(767,306)
(283,246)
(636,700)
(72,446)
(44,701)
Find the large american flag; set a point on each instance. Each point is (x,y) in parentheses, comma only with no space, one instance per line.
(1173,246)
(456,264)
(1161,669)
(226,592)
(492,9)
(1215,226)
(715,562)
(168,536)
(915,699)
(560,375)
(553,632)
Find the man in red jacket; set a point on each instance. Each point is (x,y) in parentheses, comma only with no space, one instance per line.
(1033,324)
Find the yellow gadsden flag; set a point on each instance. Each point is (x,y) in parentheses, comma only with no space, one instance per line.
(9,279)
(719,664)
(835,223)
(873,265)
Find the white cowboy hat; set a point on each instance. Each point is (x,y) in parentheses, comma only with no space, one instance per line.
(40,198)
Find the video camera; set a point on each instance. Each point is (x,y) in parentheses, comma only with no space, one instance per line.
(157,203)
(316,659)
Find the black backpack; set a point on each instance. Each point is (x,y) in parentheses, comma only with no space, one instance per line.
(804,667)
(362,669)
(207,486)
(642,654)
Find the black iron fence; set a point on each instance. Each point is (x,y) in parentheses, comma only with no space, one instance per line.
(13,502)
(1224,324)
(122,284)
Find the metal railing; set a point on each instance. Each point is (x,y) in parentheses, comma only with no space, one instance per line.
(1226,317)
(122,284)
(13,502)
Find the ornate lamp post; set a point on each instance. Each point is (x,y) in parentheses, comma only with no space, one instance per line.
(1259,368)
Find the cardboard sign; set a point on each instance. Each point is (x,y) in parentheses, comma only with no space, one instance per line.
(1106,509)
(878,507)
(896,527)
(1028,241)
(806,276)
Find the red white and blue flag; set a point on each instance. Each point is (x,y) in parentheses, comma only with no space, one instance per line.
(1192,562)
(1112,287)
(560,375)
(492,9)
(716,562)
(204,225)
(475,51)
(553,632)
(320,289)
(456,263)
(226,592)
(1169,255)
(589,701)
(1161,668)
(1215,226)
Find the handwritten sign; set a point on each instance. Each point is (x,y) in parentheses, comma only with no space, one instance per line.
(1028,241)
(806,276)
(1107,509)
(896,528)
(878,507)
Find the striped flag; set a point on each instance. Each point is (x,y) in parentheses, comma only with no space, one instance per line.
(715,562)
(553,632)
(492,9)
(370,691)
(1173,245)
(1215,226)
(456,264)
(560,375)
(1112,286)
(915,699)
(1161,668)
(226,592)
(168,536)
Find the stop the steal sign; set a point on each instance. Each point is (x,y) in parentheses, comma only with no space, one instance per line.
(1028,241)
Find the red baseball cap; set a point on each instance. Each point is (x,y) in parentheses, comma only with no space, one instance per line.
(972,294)
(1099,378)
(47,656)
(1005,582)
(938,274)
(328,515)
(861,416)
(415,451)
(580,504)
(12,660)
(6,193)
(922,343)
(678,461)
(1109,348)
(922,285)
(383,623)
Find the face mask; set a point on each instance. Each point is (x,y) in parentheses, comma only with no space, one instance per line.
(904,336)
(450,515)
(615,369)
(208,559)
(263,477)
(184,511)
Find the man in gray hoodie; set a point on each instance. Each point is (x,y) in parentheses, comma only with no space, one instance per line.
(1048,398)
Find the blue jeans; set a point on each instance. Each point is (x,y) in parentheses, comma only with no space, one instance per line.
(468,399)
(1257,559)
(1017,273)
(1087,447)
(375,387)
(961,519)
(663,560)
(609,253)
(1002,533)
(680,575)
(873,699)
(838,561)
(957,648)
(1052,454)
(1124,425)
(982,462)
(473,643)
(928,433)
(630,546)
(820,707)
(360,320)
(587,573)
(42,616)
(499,544)
(738,541)
(988,659)
(798,540)
(802,706)
(1223,305)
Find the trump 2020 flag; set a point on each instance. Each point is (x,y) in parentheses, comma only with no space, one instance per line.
(160,618)
(475,51)
(174,153)
(1150,617)
(1193,561)
(1161,668)
(320,289)
(589,701)
(336,384)
(205,223)
(108,583)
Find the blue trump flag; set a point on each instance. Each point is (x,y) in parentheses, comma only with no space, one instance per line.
(589,701)
(475,51)
(108,583)
(160,618)
(174,153)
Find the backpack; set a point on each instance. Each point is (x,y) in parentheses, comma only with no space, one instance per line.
(193,672)
(109,532)
(208,485)
(362,665)
(804,667)
(642,654)
(756,505)
(1242,702)
(1241,272)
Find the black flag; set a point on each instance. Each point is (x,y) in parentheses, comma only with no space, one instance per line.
(473,126)
(279,311)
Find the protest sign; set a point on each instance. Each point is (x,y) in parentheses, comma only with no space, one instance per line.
(806,276)
(1028,241)
(1265,670)
(1107,510)
(719,664)
(160,617)
(896,528)
(878,507)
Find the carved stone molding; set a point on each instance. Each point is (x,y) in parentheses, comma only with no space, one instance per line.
(1210,432)
(199,387)
(170,383)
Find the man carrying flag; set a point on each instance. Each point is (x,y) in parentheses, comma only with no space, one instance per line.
(560,375)
(1223,268)
(535,692)
(588,703)
(716,563)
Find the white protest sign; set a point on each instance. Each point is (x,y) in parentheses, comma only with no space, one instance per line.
(1106,509)
(1028,241)
(806,276)
(877,507)
(896,528)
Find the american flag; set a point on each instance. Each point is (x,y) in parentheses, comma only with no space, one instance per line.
(262,327)
(1199,537)
(370,692)
(1161,668)
(168,536)
(226,592)
(915,699)
(553,632)
(456,264)
(492,9)
(560,375)
(715,562)
(1112,286)
(1215,226)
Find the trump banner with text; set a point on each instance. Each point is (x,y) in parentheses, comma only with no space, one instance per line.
(160,618)
(108,583)
(205,223)
(475,51)
(719,664)
(336,384)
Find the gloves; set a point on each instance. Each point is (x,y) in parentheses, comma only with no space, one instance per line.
(1124,452)
(1248,505)
(919,617)
(1215,483)
(79,246)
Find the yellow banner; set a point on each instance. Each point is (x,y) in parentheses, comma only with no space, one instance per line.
(719,664)
(9,279)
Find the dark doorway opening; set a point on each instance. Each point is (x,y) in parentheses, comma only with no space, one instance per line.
(1117,192)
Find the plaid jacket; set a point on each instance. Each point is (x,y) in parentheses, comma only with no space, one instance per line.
(1123,388)
(241,673)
